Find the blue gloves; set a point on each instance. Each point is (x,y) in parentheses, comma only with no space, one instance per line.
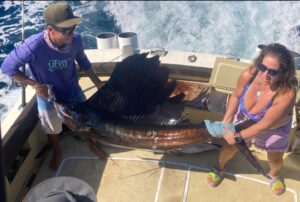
(216,128)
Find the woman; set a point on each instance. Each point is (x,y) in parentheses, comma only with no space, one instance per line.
(265,92)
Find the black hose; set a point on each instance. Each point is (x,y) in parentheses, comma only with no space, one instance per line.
(2,182)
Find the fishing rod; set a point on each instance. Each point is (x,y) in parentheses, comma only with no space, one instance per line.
(23,102)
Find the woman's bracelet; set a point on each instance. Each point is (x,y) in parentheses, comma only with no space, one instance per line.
(238,137)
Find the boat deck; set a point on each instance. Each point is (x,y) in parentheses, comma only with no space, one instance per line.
(138,175)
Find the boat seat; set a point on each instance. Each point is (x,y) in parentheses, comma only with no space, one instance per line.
(222,82)
(217,101)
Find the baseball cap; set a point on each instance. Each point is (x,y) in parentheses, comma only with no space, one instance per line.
(60,14)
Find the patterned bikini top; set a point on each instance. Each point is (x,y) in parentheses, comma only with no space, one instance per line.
(255,117)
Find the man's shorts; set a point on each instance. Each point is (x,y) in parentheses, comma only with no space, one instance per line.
(50,119)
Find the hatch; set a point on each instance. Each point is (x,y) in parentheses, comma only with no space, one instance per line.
(225,74)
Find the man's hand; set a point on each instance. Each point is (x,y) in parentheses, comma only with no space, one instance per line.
(95,79)
(41,90)
(100,85)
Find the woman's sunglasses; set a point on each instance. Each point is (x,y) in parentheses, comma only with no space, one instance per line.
(271,72)
(64,31)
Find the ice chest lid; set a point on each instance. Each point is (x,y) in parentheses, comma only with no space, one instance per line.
(225,74)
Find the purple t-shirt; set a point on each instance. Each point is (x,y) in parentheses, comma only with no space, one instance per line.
(49,66)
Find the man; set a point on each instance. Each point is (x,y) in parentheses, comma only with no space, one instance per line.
(51,56)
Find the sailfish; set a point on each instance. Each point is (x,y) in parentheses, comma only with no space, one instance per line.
(140,107)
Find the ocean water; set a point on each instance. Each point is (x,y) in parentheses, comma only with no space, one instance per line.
(228,28)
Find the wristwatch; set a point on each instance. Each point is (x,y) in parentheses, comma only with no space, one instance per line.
(238,138)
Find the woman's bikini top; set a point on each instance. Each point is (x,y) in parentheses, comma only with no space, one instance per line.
(255,117)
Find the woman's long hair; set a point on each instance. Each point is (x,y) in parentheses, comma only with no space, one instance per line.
(287,78)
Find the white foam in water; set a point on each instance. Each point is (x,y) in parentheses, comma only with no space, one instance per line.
(234,28)
(8,97)
(33,12)
(228,28)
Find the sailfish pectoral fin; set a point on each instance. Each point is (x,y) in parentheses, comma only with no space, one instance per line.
(101,154)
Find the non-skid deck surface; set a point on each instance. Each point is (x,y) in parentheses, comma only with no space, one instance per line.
(136,175)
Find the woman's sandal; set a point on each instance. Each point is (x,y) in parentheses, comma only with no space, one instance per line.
(214,177)
(277,185)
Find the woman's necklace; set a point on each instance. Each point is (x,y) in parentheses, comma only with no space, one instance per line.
(259,93)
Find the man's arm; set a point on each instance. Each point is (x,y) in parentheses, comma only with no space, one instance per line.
(95,79)
(41,90)
(85,65)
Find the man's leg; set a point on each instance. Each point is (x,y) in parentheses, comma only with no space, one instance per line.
(54,141)
(52,126)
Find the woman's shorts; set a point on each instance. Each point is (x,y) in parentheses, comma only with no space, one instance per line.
(273,140)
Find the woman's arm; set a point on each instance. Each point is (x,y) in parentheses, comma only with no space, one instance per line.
(243,79)
(276,115)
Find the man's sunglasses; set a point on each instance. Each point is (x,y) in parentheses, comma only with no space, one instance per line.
(64,31)
(271,72)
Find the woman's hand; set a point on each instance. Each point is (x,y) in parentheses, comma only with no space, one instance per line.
(229,136)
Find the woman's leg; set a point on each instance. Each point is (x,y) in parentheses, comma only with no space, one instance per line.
(226,153)
(275,162)
(215,177)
